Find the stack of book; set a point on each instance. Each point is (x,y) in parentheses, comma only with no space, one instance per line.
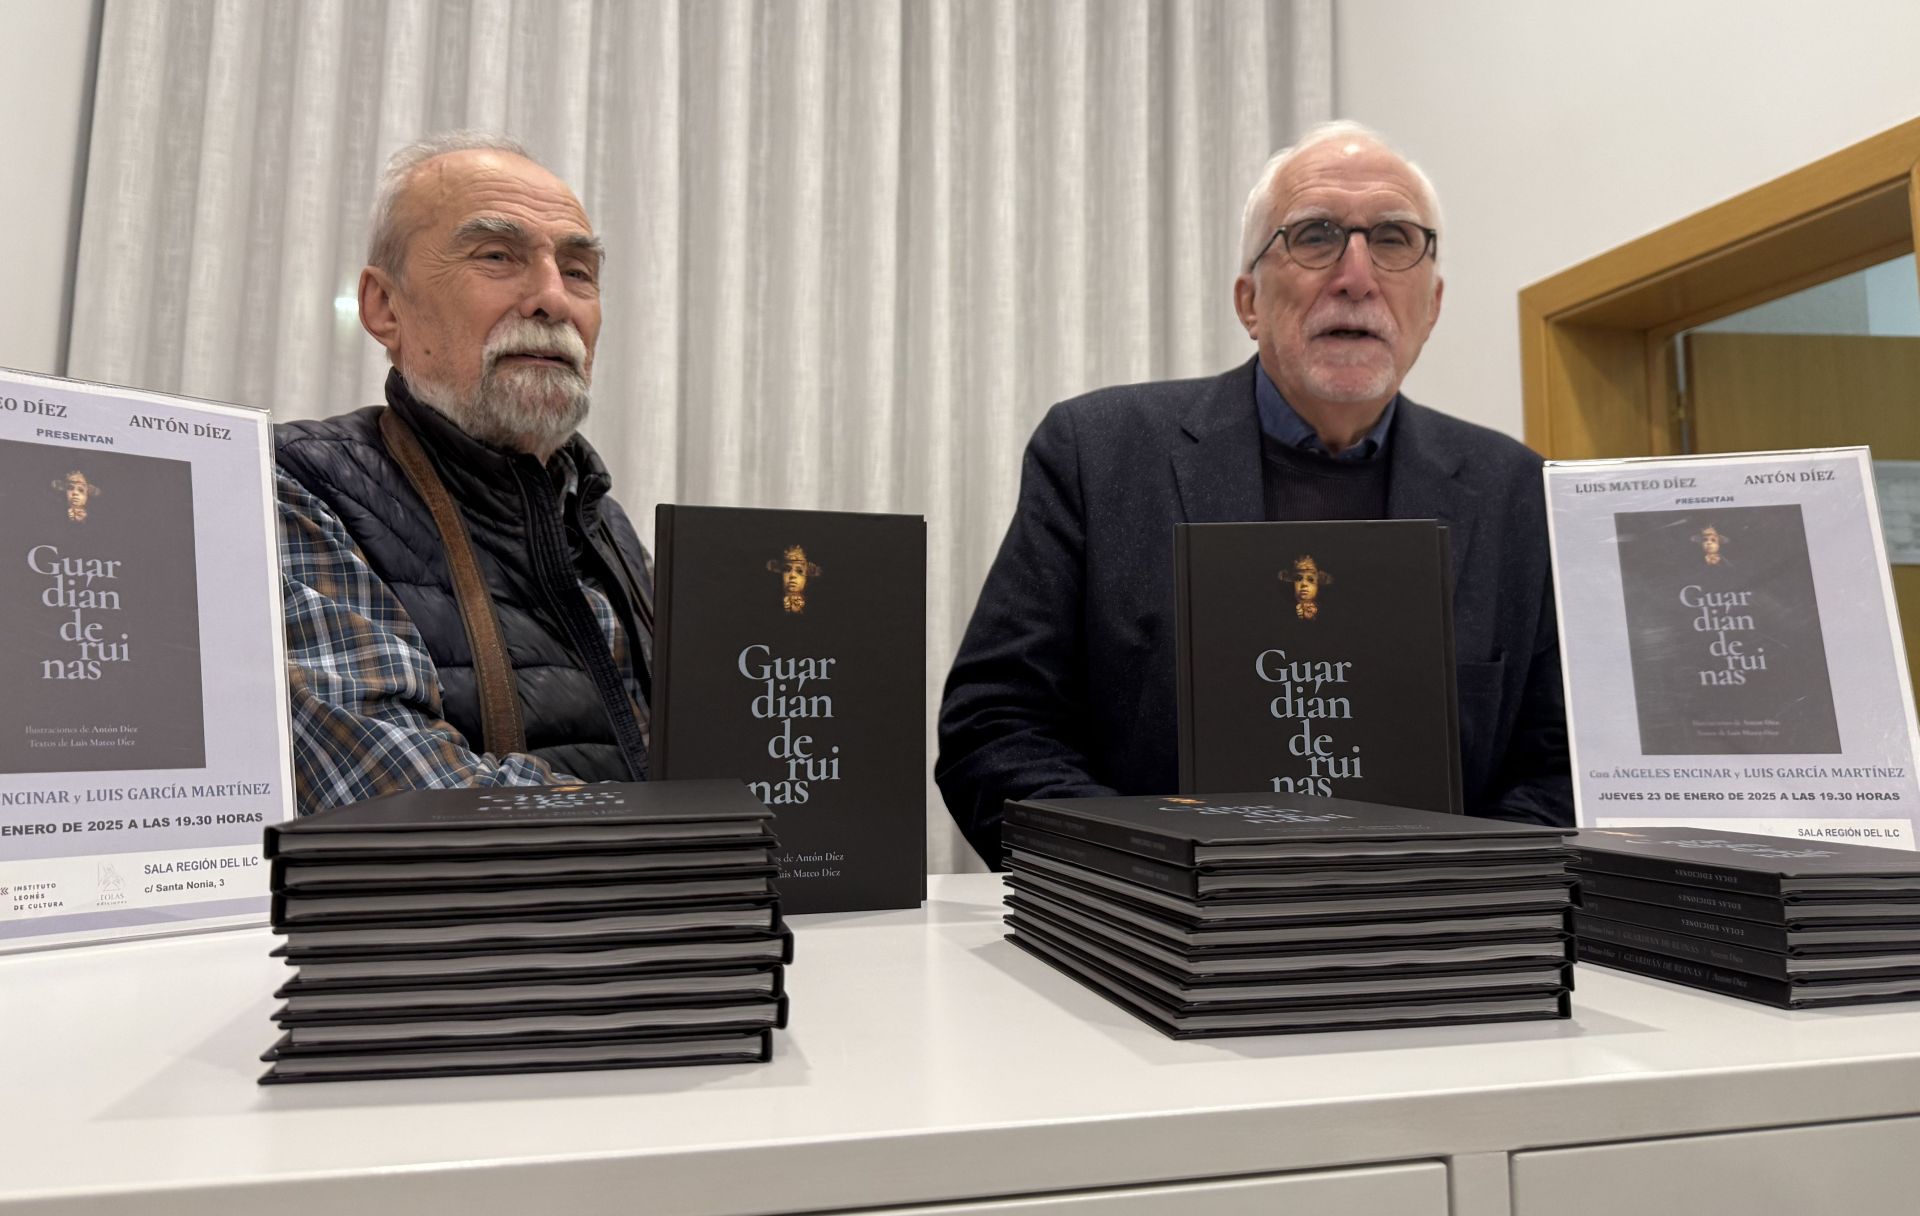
(527,929)
(1262,914)
(1791,923)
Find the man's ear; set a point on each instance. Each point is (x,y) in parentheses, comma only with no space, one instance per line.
(377,313)
(1439,289)
(1243,305)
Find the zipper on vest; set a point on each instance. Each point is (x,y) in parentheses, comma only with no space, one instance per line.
(559,582)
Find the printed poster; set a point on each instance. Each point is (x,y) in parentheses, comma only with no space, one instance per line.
(143,737)
(1731,646)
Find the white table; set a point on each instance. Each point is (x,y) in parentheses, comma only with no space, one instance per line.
(929,1060)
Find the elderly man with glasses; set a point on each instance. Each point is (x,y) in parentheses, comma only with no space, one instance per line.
(1064,685)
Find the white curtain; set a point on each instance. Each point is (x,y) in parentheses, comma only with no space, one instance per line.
(857,246)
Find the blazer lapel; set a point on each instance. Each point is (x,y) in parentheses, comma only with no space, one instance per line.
(1423,482)
(1216,462)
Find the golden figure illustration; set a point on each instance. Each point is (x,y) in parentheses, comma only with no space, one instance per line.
(79,491)
(1187,801)
(794,570)
(1710,539)
(1307,578)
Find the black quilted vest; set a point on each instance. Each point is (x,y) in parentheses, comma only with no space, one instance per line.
(533,551)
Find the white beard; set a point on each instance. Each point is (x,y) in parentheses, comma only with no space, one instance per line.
(522,408)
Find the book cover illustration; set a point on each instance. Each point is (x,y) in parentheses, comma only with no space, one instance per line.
(1317,659)
(99,619)
(1723,624)
(790,653)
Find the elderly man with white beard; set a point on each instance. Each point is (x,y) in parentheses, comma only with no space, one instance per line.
(1064,684)
(465,603)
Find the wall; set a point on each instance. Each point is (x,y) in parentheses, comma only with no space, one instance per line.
(45,52)
(1557,131)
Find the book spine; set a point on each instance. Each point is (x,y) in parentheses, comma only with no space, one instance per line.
(1456,800)
(1778,993)
(1679,945)
(1772,938)
(1113,836)
(1183,653)
(1693,899)
(1112,862)
(661,708)
(1685,873)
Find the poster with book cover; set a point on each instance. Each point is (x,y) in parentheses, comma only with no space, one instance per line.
(143,736)
(1731,646)
(790,653)
(1317,659)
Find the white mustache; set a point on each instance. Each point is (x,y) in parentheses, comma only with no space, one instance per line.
(527,336)
(1378,324)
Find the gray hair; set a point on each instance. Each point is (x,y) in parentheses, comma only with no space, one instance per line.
(1256,218)
(387,246)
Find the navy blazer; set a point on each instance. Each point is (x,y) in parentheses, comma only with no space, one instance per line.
(1064,684)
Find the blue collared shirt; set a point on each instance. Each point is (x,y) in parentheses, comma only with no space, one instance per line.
(1282,424)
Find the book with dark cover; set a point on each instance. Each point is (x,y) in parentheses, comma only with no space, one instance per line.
(1817,941)
(1757,865)
(790,653)
(749,1047)
(1781,994)
(1317,659)
(1165,927)
(1301,988)
(1183,1025)
(1255,829)
(499,1000)
(1723,625)
(565,962)
(1324,956)
(300,910)
(307,994)
(1769,910)
(99,613)
(1299,907)
(1336,960)
(1752,961)
(514,870)
(544,931)
(487,1028)
(534,820)
(1240,883)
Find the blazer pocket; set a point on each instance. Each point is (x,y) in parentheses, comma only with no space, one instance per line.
(1478,691)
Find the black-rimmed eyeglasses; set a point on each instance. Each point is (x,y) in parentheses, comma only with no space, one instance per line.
(1318,244)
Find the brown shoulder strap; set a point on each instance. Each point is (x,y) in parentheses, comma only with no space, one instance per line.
(493,669)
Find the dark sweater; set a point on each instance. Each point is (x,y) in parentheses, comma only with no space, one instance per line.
(1300,485)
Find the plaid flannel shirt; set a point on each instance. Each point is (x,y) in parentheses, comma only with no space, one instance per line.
(364,695)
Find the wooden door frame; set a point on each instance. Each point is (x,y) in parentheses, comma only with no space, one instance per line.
(1597,374)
